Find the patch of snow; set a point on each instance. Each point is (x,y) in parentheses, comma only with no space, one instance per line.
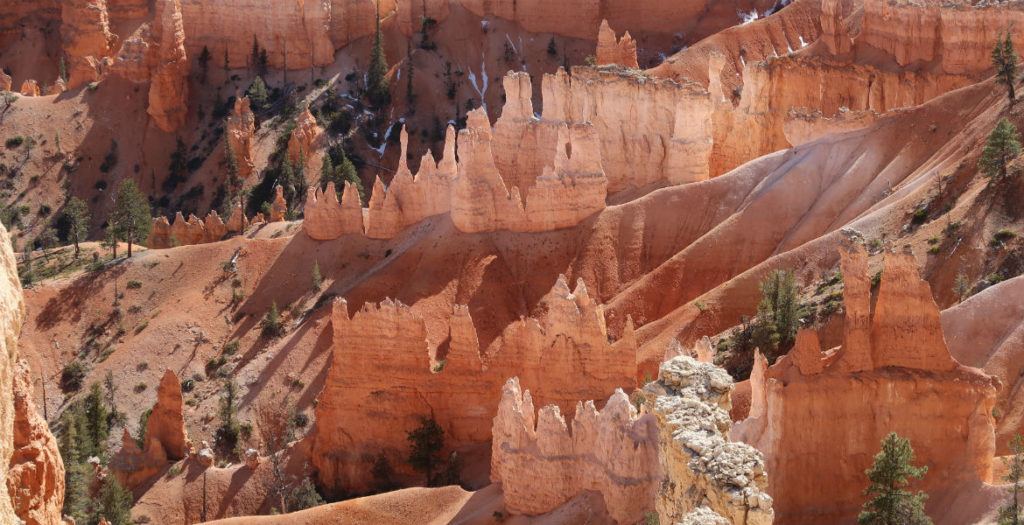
(746,18)
(480,90)
(802,43)
(509,39)
(484,24)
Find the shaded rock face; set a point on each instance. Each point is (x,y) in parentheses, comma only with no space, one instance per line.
(168,91)
(672,458)
(456,380)
(12,314)
(612,51)
(165,440)
(35,477)
(542,465)
(5,81)
(893,373)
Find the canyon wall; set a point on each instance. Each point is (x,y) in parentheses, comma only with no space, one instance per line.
(672,458)
(893,373)
(457,381)
(602,131)
(168,89)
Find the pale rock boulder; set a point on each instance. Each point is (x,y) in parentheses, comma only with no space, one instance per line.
(241,131)
(614,51)
(168,91)
(35,476)
(5,81)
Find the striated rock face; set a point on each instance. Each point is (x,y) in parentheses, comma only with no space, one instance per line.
(241,129)
(12,313)
(168,91)
(35,477)
(165,441)
(892,374)
(85,30)
(457,380)
(612,51)
(295,34)
(304,142)
(541,464)
(674,457)
(705,472)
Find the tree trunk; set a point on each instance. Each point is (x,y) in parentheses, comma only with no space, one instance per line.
(129,248)
(76,249)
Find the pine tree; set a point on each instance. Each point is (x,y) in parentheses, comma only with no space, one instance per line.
(76,213)
(132,218)
(410,73)
(114,503)
(1010,514)
(1004,59)
(258,94)
(778,314)
(552,47)
(227,65)
(272,325)
(891,503)
(378,89)
(97,422)
(227,433)
(1002,147)
(318,280)
(254,55)
(427,441)
(204,64)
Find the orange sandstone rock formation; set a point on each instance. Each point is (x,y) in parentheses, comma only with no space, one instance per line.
(613,51)
(673,457)
(12,314)
(184,232)
(5,81)
(241,129)
(165,441)
(168,91)
(85,29)
(541,464)
(892,374)
(278,208)
(35,476)
(456,380)
(30,88)
(304,142)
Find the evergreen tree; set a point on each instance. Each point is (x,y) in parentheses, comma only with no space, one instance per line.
(254,55)
(62,69)
(427,441)
(258,94)
(204,64)
(227,65)
(410,73)
(272,325)
(76,214)
(97,422)
(114,503)
(339,169)
(132,218)
(778,314)
(227,433)
(1002,147)
(1004,59)
(1010,514)
(318,280)
(891,503)
(552,47)
(377,87)
(76,474)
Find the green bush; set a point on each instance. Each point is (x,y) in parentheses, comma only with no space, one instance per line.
(71,376)
(14,142)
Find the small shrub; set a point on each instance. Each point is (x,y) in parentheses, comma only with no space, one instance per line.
(134,285)
(140,388)
(14,142)
(272,324)
(71,376)
(920,216)
(1004,235)
(188,385)
(300,420)
(230,347)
